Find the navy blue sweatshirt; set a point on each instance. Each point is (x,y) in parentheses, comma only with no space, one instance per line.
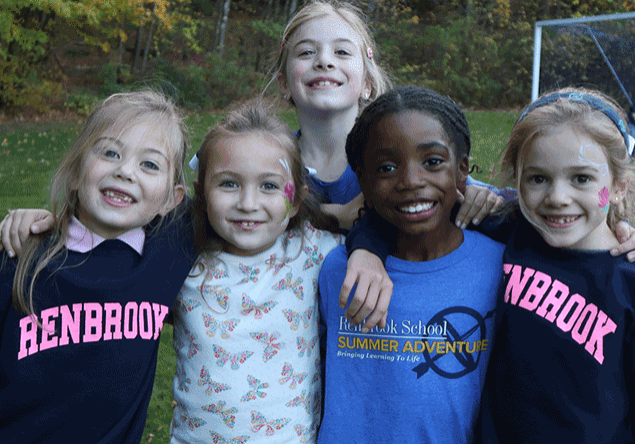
(88,375)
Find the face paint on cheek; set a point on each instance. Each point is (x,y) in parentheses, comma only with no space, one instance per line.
(603,194)
(289,193)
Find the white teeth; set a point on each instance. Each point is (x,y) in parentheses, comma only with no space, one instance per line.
(324,83)
(561,220)
(417,208)
(118,197)
(248,224)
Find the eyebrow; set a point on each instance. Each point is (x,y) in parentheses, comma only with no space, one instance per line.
(313,41)
(570,168)
(420,147)
(122,145)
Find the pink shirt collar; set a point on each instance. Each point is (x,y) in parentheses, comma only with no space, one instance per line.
(82,240)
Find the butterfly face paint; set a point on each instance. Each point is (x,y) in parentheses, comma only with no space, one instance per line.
(564,187)
(289,193)
(604,199)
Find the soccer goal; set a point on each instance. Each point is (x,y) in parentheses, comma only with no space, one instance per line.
(596,52)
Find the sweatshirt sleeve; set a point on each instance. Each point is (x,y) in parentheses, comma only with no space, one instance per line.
(507,193)
(371,233)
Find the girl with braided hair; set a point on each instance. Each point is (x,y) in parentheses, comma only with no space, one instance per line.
(419,379)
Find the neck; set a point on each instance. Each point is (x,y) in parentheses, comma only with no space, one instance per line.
(432,245)
(324,132)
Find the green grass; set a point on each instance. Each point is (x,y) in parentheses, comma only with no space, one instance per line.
(30,152)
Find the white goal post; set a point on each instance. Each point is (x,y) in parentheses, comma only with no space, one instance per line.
(572,22)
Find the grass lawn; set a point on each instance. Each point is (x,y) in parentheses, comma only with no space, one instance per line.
(29,153)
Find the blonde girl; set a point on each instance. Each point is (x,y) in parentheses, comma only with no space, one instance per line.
(564,353)
(327,70)
(246,320)
(82,308)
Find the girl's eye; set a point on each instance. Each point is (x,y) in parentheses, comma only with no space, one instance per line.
(343,52)
(269,186)
(387,168)
(228,184)
(306,52)
(582,179)
(434,162)
(148,164)
(537,179)
(111,154)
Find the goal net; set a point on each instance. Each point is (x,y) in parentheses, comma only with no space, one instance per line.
(594,52)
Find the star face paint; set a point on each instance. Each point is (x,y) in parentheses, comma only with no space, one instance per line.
(592,155)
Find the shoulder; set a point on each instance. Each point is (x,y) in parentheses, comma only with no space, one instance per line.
(483,245)
(333,272)
(336,260)
(325,241)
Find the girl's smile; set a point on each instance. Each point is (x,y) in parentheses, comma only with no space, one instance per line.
(410,178)
(325,69)
(126,181)
(244,188)
(565,191)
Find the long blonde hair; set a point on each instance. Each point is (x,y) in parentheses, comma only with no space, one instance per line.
(118,113)
(376,75)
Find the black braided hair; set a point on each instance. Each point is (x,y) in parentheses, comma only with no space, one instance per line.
(406,98)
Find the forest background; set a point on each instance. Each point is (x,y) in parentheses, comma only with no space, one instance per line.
(62,56)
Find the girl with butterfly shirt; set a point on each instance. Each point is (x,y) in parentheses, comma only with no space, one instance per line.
(246,321)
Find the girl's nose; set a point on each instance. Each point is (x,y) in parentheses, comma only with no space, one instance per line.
(248,200)
(324,60)
(558,194)
(125,170)
(412,176)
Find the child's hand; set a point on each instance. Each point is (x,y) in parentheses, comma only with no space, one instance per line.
(373,292)
(19,224)
(347,213)
(626,235)
(477,203)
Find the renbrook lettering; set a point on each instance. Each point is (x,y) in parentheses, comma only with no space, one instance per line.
(550,299)
(110,321)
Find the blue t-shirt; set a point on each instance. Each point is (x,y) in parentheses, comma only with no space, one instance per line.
(419,380)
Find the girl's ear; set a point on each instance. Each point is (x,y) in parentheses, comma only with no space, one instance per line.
(366,190)
(367,90)
(618,193)
(282,84)
(300,195)
(461,177)
(175,199)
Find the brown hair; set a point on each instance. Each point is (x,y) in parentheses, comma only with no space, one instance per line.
(253,116)
(118,113)
(376,75)
(592,122)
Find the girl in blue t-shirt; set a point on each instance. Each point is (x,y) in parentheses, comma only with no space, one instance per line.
(82,308)
(327,70)
(419,379)
(565,333)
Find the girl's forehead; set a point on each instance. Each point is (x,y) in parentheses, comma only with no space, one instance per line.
(326,28)
(256,149)
(564,146)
